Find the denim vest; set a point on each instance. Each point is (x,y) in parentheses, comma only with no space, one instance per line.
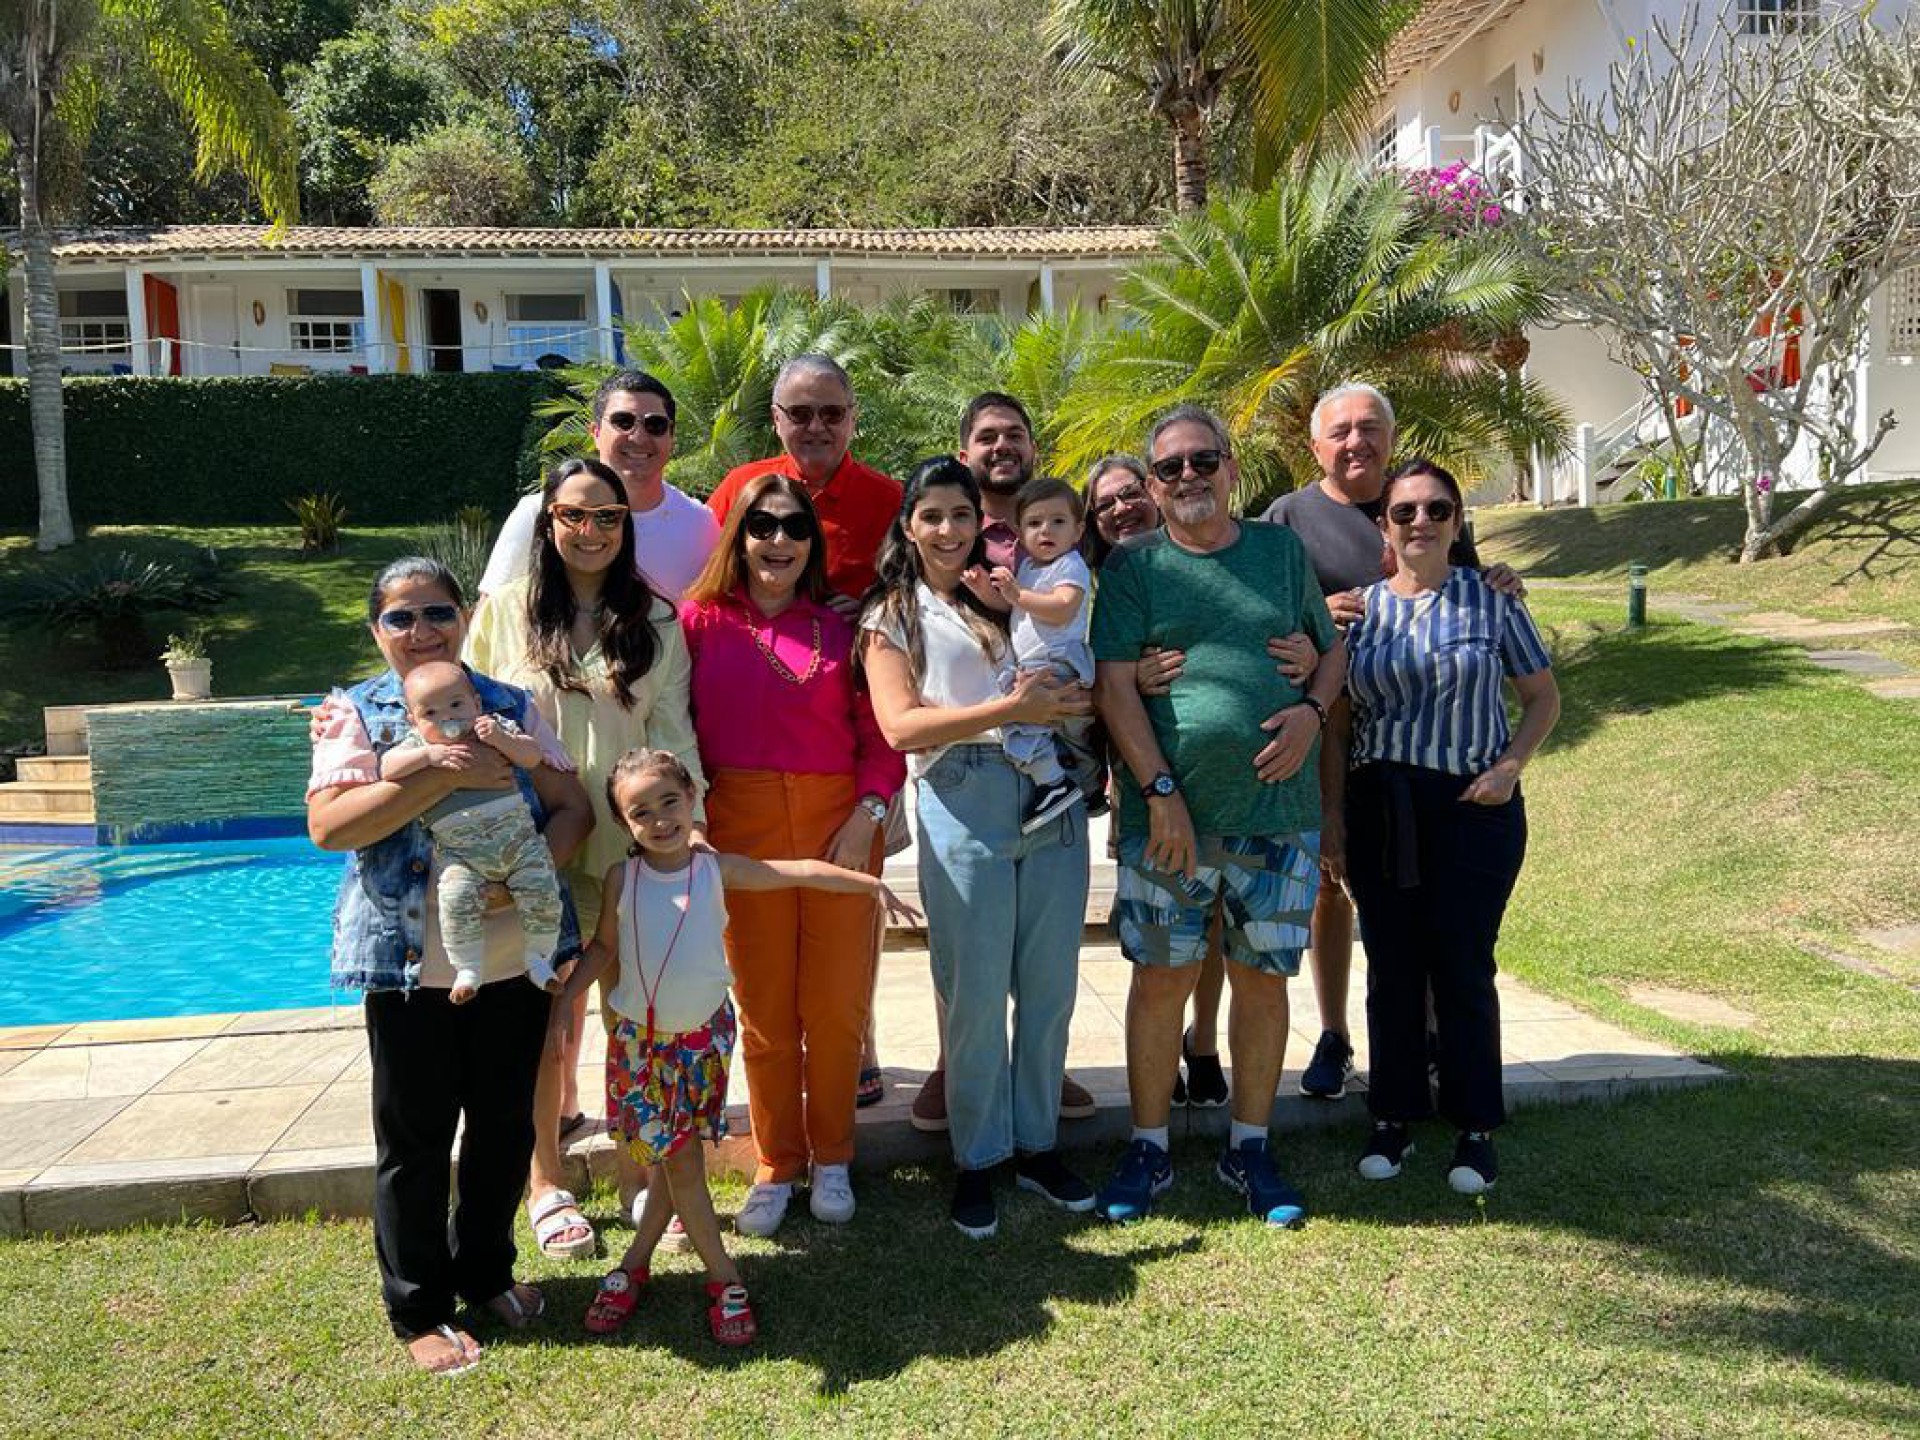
(379,919)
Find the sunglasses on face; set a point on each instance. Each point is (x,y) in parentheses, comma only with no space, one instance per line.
(764,525)
(1438,511)
(402,619)
(1172,467)
(805,415)
(1132,495)
(578,517)
(625,420)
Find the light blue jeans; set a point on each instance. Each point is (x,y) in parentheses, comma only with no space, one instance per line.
(1004,915)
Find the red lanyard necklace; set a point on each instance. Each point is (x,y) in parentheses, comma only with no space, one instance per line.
(639,961)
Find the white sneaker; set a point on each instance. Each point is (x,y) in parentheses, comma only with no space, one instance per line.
(765,1208)
(832,1197)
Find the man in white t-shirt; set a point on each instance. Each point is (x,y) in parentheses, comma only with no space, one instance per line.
(632,430)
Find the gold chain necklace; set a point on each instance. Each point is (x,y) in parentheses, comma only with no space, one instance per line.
(780,667)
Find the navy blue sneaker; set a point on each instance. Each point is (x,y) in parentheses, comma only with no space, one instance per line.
(1248,1168)
(1327,1073)
(1143,1175)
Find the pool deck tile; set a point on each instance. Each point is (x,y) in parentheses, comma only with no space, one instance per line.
(104,1125)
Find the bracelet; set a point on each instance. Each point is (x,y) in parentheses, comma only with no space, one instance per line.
(1317,708)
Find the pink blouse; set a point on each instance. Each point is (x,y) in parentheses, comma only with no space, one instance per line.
(803,714)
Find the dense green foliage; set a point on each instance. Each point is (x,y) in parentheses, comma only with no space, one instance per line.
(236,451)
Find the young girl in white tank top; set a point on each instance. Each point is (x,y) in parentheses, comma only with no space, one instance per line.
(661,922)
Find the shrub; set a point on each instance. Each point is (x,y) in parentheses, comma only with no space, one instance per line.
(237,450)
(320,517)
(462,545)
(122,588)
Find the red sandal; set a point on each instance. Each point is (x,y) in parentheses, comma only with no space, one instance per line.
(619,1292)
(730,1317)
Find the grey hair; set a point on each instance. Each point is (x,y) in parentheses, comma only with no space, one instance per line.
(1340,392)
(412,567)
(1132,464)
(814,363)
(1190,415)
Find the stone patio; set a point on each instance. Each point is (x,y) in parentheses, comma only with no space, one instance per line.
(267,1114)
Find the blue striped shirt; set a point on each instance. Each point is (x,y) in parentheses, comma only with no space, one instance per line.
(1424,673)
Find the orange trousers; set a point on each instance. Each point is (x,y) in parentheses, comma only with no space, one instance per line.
(802,964)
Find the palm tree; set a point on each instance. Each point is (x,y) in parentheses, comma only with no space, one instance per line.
(49,53)
(1258,305)
(1311,67)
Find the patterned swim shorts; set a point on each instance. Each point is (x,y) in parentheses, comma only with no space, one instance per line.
(659,1096)
(1265,884)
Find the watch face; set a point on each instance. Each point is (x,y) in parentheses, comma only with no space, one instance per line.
(1161,785)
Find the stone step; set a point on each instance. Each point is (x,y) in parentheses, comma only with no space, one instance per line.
(64,801)
(41,768)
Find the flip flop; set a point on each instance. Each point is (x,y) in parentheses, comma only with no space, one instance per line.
(467,1357)
(614,1301)
(516,1314)
(871,1089)
(572,1126)
(730,1316)
(552,1215)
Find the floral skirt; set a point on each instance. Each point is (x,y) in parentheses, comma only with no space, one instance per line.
(659,1096)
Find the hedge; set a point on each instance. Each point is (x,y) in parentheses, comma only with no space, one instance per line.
(234,451)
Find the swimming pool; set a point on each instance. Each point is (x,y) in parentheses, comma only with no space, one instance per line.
(143,931)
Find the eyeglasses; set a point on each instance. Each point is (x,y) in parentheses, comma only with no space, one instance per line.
(578,517)
(797,525)
(1438,511)
(805,415)
(624,420)
(1172,467)
(1131,495)
(402,619)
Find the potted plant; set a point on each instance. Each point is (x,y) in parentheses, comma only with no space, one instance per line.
(187,664)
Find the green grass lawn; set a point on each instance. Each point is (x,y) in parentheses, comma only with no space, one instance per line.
(1738,1260)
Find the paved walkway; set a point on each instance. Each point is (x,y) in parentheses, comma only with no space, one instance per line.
(267,1114)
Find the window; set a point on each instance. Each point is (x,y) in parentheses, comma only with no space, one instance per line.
(1777,17)
(1903,312)
(326,322)
(547,325)
(972,299)
(94,322)
(1385,147)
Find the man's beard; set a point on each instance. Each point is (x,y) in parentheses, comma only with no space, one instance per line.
(1195,511)
(1005,487)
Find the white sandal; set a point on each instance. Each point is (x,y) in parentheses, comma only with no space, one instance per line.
(552,1215)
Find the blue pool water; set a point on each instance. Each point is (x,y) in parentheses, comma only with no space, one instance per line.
(164,930)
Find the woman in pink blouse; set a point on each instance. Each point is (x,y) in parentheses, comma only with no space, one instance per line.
(796,769)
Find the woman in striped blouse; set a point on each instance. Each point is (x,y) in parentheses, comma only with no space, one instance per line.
(1432,831)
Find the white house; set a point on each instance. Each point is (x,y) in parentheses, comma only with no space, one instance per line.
(1464,69)
(238,300)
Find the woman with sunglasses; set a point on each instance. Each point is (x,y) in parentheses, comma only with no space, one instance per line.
(603,657)
(1434,828)
(798,770)
(436,1065)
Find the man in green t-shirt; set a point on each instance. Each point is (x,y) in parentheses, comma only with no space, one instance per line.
(1223,817)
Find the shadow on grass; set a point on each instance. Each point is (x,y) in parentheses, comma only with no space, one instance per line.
(827,1300)
(1605,674)
(1558,543)
(1883,524)
(1773,1215)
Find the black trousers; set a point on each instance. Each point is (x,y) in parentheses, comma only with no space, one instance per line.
(434,1062)
(1430,878)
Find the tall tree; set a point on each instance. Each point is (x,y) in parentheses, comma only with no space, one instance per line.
(50,51)
(1309,68)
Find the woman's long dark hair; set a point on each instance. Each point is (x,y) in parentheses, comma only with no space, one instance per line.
(897,570)
(627,641)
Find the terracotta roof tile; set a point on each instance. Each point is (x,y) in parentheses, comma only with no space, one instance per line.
(1440,25)
(254,242)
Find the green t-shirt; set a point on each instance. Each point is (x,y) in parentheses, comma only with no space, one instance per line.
(1220,608)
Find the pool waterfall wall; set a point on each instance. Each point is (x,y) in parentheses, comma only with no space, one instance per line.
(181,770)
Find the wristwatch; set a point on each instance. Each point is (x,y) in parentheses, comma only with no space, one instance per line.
(875,807)
(1161,786)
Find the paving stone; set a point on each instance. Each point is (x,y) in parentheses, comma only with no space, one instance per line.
(72,1209)
(334,1183)
(36,1133)
(234,1062)
(1858,662)
(168,1027)
(30,1037)
(344,1016)
(1900,939)
(1690,1007)
(340,1115)
(1898,688)
(90,1072)
(211,1122)
(13,1209)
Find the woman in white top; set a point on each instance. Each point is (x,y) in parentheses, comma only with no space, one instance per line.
(1004,909)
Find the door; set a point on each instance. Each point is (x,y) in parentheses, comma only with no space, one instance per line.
(442,308)
(216,329)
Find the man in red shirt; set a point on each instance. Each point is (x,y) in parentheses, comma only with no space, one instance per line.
(814,413)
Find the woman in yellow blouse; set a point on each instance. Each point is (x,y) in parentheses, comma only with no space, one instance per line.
(607,666)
